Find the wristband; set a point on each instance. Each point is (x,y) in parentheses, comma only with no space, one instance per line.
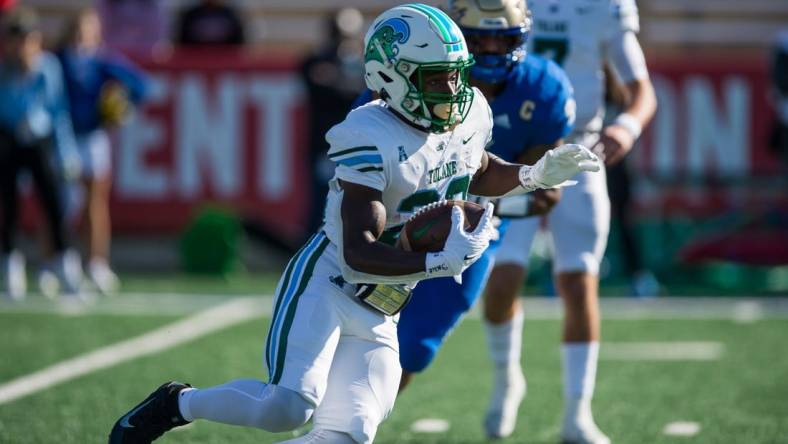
(630,123)
(527,181)
(435,265)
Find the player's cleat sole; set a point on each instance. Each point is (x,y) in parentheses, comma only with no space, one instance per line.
(501,417)
(151,418)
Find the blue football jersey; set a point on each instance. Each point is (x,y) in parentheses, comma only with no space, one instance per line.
(535,108)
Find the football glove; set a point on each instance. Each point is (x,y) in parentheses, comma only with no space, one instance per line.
(558,165)
(462,248)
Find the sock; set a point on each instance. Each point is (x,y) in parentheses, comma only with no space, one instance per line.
(183,403)
(247,402)
(504,341)
(579,365)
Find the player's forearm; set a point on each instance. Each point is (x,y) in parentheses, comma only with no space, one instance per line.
(381,259)
(643,104)
(498,179)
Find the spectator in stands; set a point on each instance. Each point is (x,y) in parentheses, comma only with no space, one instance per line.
(779,139)
(643,283)
(138,26)
(334,77)
(36,136)
(101,87)
(210,22)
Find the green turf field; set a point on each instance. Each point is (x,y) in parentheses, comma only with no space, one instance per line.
(739,394)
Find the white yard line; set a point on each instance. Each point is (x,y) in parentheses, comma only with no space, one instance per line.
(200,324)
(747,312)
(430,425)
(126,304)
(661,351)
(681,428)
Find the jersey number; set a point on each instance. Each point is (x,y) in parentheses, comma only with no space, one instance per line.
(555,49)
(457,189)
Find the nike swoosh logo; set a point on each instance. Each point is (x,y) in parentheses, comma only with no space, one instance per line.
(124,422)
(467,258)
(464,141)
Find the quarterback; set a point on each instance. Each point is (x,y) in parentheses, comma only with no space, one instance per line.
(332,351)
(579,35)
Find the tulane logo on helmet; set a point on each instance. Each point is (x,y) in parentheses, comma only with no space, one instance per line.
(387,34)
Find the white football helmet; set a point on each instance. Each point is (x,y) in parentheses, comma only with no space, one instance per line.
(402,45)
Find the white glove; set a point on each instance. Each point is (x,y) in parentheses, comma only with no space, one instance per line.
(462,248)
(559,165)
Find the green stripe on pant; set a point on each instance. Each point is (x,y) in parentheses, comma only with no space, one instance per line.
(290,310)
(286,284)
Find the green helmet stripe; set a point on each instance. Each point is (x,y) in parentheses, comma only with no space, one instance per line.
(441,20)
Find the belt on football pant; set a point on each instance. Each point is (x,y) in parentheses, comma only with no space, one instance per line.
(387,299)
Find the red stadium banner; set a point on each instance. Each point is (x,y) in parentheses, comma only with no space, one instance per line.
(713,119)
(219,127)
(707,149)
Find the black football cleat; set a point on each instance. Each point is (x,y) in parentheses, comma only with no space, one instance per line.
(152,417)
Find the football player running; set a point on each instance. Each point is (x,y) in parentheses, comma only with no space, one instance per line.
(332,351)
(533,109)
(580,35)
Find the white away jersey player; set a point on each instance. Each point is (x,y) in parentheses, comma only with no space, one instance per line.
(575,34)
(412,168)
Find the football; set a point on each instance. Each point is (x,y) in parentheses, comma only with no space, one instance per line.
(427,230)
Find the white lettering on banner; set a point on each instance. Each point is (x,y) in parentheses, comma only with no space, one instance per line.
(136,179)
(665,136)
(208,136)
(275,98)
(715,137)
(720,137)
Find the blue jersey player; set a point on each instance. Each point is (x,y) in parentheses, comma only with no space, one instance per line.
(533,110)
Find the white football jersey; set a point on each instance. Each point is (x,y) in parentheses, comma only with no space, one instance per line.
(412,168)
(574,33)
